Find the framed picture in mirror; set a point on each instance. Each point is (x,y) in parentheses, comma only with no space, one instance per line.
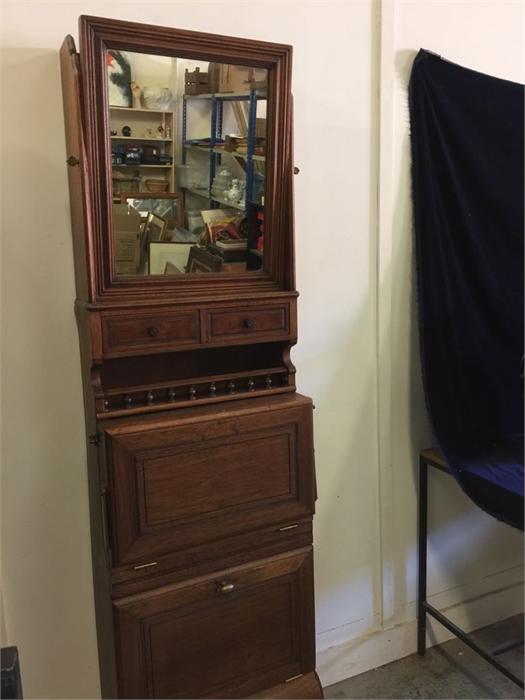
(153,231)
(160,253)
(155,228)
(201,260)
(168,205)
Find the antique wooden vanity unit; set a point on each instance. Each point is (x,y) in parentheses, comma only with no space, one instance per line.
(201,462)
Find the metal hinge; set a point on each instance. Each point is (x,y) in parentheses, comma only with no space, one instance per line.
(94,439)
(104,525)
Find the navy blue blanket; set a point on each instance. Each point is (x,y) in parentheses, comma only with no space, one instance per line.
(468,186)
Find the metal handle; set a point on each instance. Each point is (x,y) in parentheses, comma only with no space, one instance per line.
(224,587)
(145,566)
(250,323)
(104,517)
(153,331)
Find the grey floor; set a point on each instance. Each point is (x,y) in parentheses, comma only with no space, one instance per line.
(450,670)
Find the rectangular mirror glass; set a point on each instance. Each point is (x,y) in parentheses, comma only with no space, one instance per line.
(188,158)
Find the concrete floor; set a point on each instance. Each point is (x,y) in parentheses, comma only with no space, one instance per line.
(451,670)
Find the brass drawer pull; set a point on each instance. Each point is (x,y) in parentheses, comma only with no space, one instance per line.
(153,331)
(288,527)
(224,587)
(250,323)
(145,566)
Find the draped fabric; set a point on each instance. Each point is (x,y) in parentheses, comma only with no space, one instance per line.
(468,187)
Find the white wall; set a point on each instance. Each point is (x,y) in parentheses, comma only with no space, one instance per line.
(357,353)
(486,36)
(475,563)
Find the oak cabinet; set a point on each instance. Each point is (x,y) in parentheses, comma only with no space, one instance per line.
(200,451)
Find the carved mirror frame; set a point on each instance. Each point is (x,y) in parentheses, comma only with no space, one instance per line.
(99,34)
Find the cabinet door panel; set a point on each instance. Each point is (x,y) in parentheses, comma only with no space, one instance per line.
(192,640)
(217,477)
(177,487)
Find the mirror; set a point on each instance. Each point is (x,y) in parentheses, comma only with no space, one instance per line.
(188,164)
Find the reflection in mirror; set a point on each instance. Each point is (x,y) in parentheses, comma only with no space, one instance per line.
(188,151)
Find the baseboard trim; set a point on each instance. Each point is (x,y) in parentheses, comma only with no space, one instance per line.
(386,645)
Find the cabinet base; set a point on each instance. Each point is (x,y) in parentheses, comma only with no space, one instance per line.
(302,688)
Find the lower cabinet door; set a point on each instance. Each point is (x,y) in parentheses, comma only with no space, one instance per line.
(226,635)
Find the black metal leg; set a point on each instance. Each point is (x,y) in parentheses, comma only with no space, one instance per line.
(422,557)
(423,607)
(458,632)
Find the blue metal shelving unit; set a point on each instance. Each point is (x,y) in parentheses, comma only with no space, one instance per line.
(252,120)
(217,108)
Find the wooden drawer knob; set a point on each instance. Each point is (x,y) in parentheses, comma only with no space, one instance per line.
(224,587)
(153,331)
(250,323)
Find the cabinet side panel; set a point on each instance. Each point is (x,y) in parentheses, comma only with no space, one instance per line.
(69,63)
(76,163)
(97,484)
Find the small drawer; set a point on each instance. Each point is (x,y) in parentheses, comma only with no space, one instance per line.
(251,321)
(122,334)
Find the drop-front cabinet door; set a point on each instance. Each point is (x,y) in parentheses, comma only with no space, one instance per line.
(200,474)
(228,635)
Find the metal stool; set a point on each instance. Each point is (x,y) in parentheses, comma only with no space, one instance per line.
(434,458)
